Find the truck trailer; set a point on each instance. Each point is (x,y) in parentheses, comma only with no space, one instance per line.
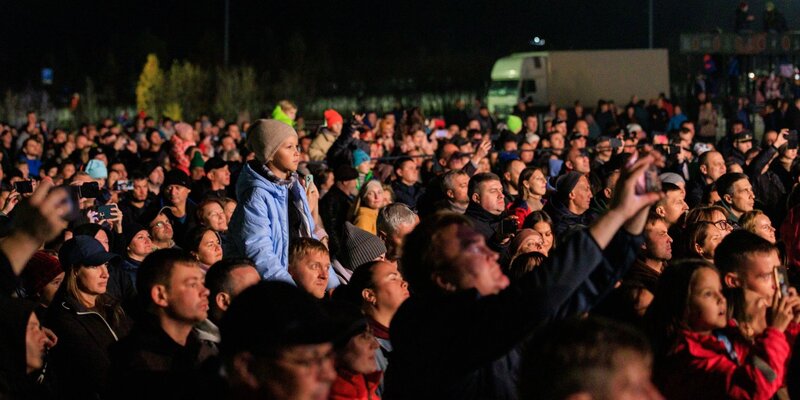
(562,77)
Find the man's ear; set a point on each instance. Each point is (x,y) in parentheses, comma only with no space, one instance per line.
(732,280)
(158,294)
(244,370)
(660,211)
(443,283)
(223,301)
(703,169)
(727,198)
(607,192)
(476,197)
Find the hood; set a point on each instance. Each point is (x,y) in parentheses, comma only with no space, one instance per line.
(14,316)
(249,178)
(279,115)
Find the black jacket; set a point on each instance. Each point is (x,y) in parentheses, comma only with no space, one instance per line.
(488,225)
(564,221)
(80,361)
(408,195)
(464,346)
(15,382)
(149,364)
(333,208)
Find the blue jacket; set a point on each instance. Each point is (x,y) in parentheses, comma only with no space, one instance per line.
(259,227)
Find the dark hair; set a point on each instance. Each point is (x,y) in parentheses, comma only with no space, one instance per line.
(523,177)
(577,355)
(156,269)
(732,253)
(423,253)
(400,161)
(361,279)
(704,214)
(725,183)
(666,316)
(218,278)
(524,263)
(89,229)
(478,179)
(195,236)
(535,217)
(695,233)
(206,201)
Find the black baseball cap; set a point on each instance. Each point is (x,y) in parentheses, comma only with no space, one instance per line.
(83,250)
(177,177)
(214,163)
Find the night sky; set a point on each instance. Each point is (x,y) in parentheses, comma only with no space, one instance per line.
(374,46)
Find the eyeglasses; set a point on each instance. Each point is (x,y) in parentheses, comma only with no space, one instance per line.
(723,225)
(160,224)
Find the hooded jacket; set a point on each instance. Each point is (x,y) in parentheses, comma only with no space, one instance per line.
(702,366)
(15,383)
(81,359)
(564,220)
(259,228)
(321,144)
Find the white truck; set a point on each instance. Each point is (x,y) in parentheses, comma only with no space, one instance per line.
(586,75)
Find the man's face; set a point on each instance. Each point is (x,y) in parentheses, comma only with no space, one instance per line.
(490,196)
(460,193)
(512,175)
(187,296)
(658,243)
(743,198)
(631,378)
(714,166)
(350,187)
(581,195)
(579,161)
(756,273)
(140,189)
(408,173)
(557,140)
(527,152)
(476,263)
(161,228)
(532,123)
(674,205)
(220,176)
(35,340)
(310,272)
(156,177)
(744,145)
(177,194)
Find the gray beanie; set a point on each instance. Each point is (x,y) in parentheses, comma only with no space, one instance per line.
(359,247)
(264,137)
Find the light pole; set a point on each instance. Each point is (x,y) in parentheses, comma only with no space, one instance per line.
(650,24)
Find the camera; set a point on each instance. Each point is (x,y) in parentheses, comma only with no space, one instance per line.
(123,185)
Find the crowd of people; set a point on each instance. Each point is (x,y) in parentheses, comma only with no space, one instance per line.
(563,254)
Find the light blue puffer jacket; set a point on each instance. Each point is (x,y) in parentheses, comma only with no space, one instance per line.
(259,228)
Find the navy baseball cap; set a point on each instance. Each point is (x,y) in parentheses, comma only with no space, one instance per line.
(83,250)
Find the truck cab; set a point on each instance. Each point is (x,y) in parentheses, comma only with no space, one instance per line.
(520,76)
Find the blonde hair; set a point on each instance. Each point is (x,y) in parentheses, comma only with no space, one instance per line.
(287,105)
(748,220)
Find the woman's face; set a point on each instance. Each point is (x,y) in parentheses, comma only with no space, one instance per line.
(390,289)
(714,236)
(287,157)
(374,197)
(537,183)
(214,217)
(102,237)
(359,355)
(547,236)
(141,245)
(93,280)
(764,228)
(534,242)
(210,250)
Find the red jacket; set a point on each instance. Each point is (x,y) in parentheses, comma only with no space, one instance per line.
(349,386)
(701,367)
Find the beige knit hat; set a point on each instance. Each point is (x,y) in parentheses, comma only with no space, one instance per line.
(265,136)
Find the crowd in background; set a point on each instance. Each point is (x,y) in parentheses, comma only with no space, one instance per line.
(627,252)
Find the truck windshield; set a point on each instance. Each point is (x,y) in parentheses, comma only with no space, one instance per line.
(504,88)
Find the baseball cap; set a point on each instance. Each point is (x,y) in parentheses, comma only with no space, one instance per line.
(83,250)
(214,163)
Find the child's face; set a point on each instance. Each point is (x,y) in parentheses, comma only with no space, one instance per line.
(707,306)
(363,168)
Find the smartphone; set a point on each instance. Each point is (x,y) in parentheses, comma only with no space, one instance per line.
(441,133)
(105,212)
(649,182)
(23,187)
(89,190)
(508,226)
(123,185)
(309,180)
(781,277)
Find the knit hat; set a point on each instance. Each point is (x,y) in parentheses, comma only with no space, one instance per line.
(359,247)
(532,138)
(96,169)
(294,318)
(359,156)
(129,231)
(182,128)
(279,115)
(40,270)
(514,123)
(344,173)
(265,136)
(332,117)
(565,183)
(519,239)
(177,177)
(197,161)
